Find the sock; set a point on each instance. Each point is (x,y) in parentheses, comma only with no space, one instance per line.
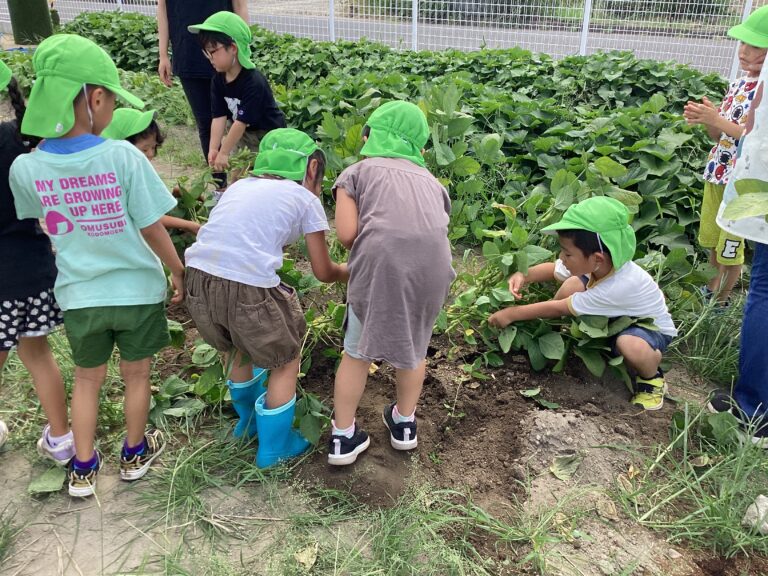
(54,441)
(348,432)
(88,464)
(133,450)
(399,418)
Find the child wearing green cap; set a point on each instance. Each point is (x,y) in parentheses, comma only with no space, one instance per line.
(599,278)
(102,203)
(235,296)
(142,130)
(392,214)
(240,94)
(725,125)
(28,308)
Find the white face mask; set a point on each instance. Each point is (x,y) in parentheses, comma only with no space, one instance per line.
(88,106)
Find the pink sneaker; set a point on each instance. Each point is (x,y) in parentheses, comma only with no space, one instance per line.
(62,453)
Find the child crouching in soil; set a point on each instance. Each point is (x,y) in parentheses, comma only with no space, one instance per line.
(235,296)
(599,278)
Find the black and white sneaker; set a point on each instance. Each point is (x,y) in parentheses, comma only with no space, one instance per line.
(343,451)
(722,401)
(402,436)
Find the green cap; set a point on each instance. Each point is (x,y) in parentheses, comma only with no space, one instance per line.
(63,64)
(398,130)
(284,152)
(233,26)
(606,217)
(5,75)
(754,30)
(127,122)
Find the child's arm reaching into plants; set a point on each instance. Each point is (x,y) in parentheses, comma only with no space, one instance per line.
(346,218)
(324,269)
(540,273)
(548,309)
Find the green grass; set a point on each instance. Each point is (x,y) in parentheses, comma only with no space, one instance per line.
(709,342)
(8,532)
(696,488)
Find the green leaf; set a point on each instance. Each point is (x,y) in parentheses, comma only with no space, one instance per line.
(564,466)
(52,480)
(176,330)
(593,326)
(204,355)
(185,408)
(546,403)
(610,168)
(311,428)
(530,393)
(174,386)
(488,151)
(552,346)
(564,187)
(592,359)
(507,337)
(465,166)
(509,212)
(746,206)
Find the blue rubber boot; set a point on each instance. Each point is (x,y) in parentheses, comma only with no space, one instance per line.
(278,440)
(244,396)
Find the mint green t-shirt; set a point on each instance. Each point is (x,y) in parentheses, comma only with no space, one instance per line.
(95,202)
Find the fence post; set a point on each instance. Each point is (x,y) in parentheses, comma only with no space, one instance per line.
(120,5)
(331,21)
(414,25)
(585,27)
(735,64)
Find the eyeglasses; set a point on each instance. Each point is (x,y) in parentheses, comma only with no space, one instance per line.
(210,54)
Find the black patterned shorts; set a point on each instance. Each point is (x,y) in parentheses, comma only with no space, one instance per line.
(36,315)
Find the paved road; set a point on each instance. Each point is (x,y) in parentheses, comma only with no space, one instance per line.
(712,55)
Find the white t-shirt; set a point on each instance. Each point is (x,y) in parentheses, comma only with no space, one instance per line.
(253,221)
(628,291)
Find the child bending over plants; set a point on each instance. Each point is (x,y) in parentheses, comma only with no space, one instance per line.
(392,215)
(141,129)
(28,308)
(235,296)
(102,203)
(725,125)
(599,278)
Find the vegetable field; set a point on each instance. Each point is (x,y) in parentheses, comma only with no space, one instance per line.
(531,459)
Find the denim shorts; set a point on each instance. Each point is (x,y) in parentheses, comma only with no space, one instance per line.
(655,339)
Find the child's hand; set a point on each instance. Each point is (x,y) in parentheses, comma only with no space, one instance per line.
(212,157)
(516,284)
(177,281)
(221,162)
(703,112)
(502,318)
(193,228)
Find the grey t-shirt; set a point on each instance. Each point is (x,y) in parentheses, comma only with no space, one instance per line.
(400,263)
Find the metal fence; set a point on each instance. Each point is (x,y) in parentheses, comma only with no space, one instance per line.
(688,31)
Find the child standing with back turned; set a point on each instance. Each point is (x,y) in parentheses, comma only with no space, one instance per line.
(599,278)
(392,215)
(28,309)
(102,203)
(725,125)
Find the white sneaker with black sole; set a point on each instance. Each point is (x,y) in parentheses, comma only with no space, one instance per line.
(402,436)
(343,451)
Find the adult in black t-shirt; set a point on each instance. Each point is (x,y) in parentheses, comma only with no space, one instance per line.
(189,64)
